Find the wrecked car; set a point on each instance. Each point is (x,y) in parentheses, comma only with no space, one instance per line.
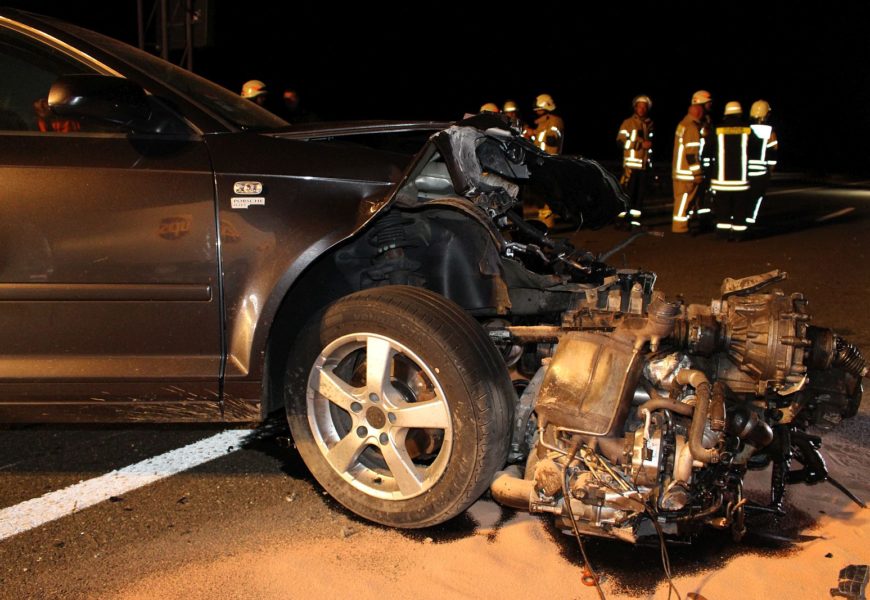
(172,253)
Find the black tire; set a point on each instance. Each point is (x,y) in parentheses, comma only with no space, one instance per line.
(443,420)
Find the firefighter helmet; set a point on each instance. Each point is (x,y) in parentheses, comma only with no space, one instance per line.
(489,107)
(733,108)
(509,107)
(253,88)
(701,97)
(641,98)
(545,102)
(760,109)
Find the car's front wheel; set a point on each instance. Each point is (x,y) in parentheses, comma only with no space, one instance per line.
(400,405)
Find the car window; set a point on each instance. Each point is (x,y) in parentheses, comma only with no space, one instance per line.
(228,106)
(27,70)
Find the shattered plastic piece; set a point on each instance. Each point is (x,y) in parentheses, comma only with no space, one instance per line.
(753,283)
(853,582)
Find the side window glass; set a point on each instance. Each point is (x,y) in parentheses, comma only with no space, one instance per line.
(28,69)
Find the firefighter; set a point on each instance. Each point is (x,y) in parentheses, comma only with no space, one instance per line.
(489,107)
(549,131)
(255,91)
(762,156)
(511,109)
(702,202)
(730,183)
(635,139)
(686,167)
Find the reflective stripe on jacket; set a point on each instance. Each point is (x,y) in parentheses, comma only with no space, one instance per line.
(732,153)
(549,133)
(688,145)
(762,149)
(632,133)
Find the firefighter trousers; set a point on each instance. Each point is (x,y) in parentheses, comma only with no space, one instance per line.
(634,184)
(685,193)
(731,209)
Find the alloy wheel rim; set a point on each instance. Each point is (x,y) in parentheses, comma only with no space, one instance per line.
(379,416)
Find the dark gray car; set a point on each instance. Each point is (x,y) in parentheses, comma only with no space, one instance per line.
(170,252)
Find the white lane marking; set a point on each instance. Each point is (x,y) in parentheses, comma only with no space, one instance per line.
(836,214)
(60,503)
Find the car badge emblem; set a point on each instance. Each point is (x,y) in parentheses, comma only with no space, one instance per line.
(248,188)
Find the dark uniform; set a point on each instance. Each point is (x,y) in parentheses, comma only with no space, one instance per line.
(762,159)
(730,181)
(636,160)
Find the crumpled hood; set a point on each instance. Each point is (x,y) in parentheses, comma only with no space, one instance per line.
(578,189)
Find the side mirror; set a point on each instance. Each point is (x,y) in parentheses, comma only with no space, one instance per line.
(100,98)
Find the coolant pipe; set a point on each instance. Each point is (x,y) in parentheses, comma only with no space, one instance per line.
(663,403)
(699,381)
(510,489)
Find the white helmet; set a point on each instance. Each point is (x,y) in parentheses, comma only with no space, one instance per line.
(489,107)
(253,88)
(545,102)
(701,97)
(733,108)
(641,98)
(760,109)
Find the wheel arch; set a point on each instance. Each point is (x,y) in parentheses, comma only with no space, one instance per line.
(470,257)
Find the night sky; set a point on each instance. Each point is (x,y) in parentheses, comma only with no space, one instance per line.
(375,61)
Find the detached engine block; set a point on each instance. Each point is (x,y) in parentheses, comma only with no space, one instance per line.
(646,414)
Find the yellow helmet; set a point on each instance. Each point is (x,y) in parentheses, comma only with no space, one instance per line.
(490,107)
(701,97)
(509,107)
(253,88)
(641,98)
(733,108)
(545,102)
(760,109)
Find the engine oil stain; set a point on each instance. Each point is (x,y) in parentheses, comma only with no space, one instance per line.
(637,570)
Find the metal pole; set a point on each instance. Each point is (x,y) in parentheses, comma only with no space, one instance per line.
(140,21)
(164,31)
(188,33)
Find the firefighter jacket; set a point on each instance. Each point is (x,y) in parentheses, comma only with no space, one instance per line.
(762,149)
(633,132)
(688,145)
(549,133)
(730,173)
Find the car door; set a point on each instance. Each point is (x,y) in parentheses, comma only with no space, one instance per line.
(109,285)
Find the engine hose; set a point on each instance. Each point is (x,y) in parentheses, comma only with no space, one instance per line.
(510,489)
(850,359)
(663,403)
(699,381)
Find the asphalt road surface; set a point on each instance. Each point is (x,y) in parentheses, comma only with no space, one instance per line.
(257,493)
